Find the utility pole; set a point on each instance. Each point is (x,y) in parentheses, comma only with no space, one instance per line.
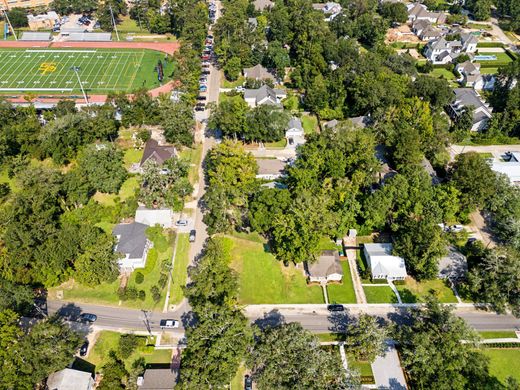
(76,69)
(147,322)
(114,21)
(9,24)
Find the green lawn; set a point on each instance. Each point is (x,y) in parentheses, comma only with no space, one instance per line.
(379,294)
(132,156)
(486,155)
(414,291)
(505,334)
(194,155)
(441,72)
(106,293)
(488,70)
(238,381)
(276,145)
(108,341)
(100,70)
(309,123)
(365,370)
(324,337)
(225,83)
(504,362)
(4,178)
(343,293)
(127,190)
(479,26)
(180,269)
(263,279)
(126,25)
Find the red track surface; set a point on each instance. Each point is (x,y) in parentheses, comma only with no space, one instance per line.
(165,47)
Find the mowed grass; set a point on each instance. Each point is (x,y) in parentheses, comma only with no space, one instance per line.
(180,268)
(238,381)
(108,341)
(413,291)
(379,294)
(263,279)
(127,190)
(445,73)
(498,334)
(309,124)
(343,293)
(503,363)
(100,70)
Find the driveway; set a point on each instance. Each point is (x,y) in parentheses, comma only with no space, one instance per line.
(387,370)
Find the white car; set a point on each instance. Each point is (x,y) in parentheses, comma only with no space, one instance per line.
(169,324)
(456,228)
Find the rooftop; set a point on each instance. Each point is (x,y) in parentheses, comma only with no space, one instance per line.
(159,379)
(270,166)
(69,379)
(258,72)
(131,239)
(327,264)
(156,152)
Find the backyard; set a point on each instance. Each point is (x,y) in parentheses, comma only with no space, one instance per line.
(106,293)
(263,279)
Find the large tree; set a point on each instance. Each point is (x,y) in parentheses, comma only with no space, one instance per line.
(287,357)
(365,339)
(178,122)
(437,347)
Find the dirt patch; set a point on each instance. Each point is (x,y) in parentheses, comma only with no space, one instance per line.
(402,33)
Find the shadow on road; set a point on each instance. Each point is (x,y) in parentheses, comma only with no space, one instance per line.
(69,312)
(270,320)
(340,320)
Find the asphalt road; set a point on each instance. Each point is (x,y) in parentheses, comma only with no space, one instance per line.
(112,318)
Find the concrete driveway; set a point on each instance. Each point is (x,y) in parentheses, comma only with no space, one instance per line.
(387,370)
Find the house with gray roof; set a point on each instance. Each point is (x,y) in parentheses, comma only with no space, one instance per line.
(158,153)
(465,98)
(264,95)
(261,5)
(258,72)
(270,168)
(441,51)
(418,11)
(470,75)
(294,134)
(326,269)
(158,379)
(132,244)
(69,379)
(330,9)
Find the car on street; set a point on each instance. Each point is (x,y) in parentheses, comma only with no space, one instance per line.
(335,307)
(203,88)
(181,222)
(83,349)
(200,107)
(169,324)
(87,317)
(248,383)
(193,235)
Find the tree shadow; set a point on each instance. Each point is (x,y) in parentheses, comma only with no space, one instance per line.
(189,319)
(340,321)
(402,316)
(69,312)
(406,296)
(83,365)
(272,319)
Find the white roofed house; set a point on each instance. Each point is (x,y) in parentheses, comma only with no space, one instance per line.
(294,134)
(151,217)
(132,244)
(70,379)
(326,269)
(510,168)
(330,9)
(383,264)
(440,51)
(260,5)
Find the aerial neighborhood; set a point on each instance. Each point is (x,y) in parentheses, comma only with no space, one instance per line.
(239,194)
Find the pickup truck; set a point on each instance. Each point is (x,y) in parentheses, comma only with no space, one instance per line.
(169,324)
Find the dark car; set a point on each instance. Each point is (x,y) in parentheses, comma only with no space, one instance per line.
(199,107)
(193,235)
(87,317)
(335,307)
(84,348)
(248,383)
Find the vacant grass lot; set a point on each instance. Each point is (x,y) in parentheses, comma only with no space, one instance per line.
(343,293)
(414,291)
(441,72)
(108,341)
(180,268)
(379,294)
(504,362)
(309,123)
(194,156)
(263,279)
(128,189)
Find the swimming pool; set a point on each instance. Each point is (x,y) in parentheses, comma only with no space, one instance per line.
(489,57)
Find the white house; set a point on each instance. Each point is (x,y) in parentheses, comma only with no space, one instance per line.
(383,264)
(467,97)
(294,134)
(470,75)
(441,51)
(132,244)
(69,379)
(152,217)
(509,168)
(264,95)
(326,269)
(330,9)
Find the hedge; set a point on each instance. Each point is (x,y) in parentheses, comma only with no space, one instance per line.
(490,44)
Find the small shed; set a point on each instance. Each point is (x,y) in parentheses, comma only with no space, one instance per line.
(326,269)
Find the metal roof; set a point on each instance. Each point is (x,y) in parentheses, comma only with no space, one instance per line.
(36,36)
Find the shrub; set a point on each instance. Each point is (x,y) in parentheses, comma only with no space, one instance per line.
(131,293)
(121,293)
(156,294)
(127,345)
(142,295)
(163,279)
(139,278)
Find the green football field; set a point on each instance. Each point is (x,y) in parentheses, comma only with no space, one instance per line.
(100,70)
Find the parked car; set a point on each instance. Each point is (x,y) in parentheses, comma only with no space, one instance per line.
(193,235)
(84,348)
(203,88)
(248,383)
(169,324)
(456,228)
(87,317)
(202,98)
(335,307)
(199,107)
(181,222)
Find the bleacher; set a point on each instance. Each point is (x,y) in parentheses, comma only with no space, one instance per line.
(36,36)
(90,37)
